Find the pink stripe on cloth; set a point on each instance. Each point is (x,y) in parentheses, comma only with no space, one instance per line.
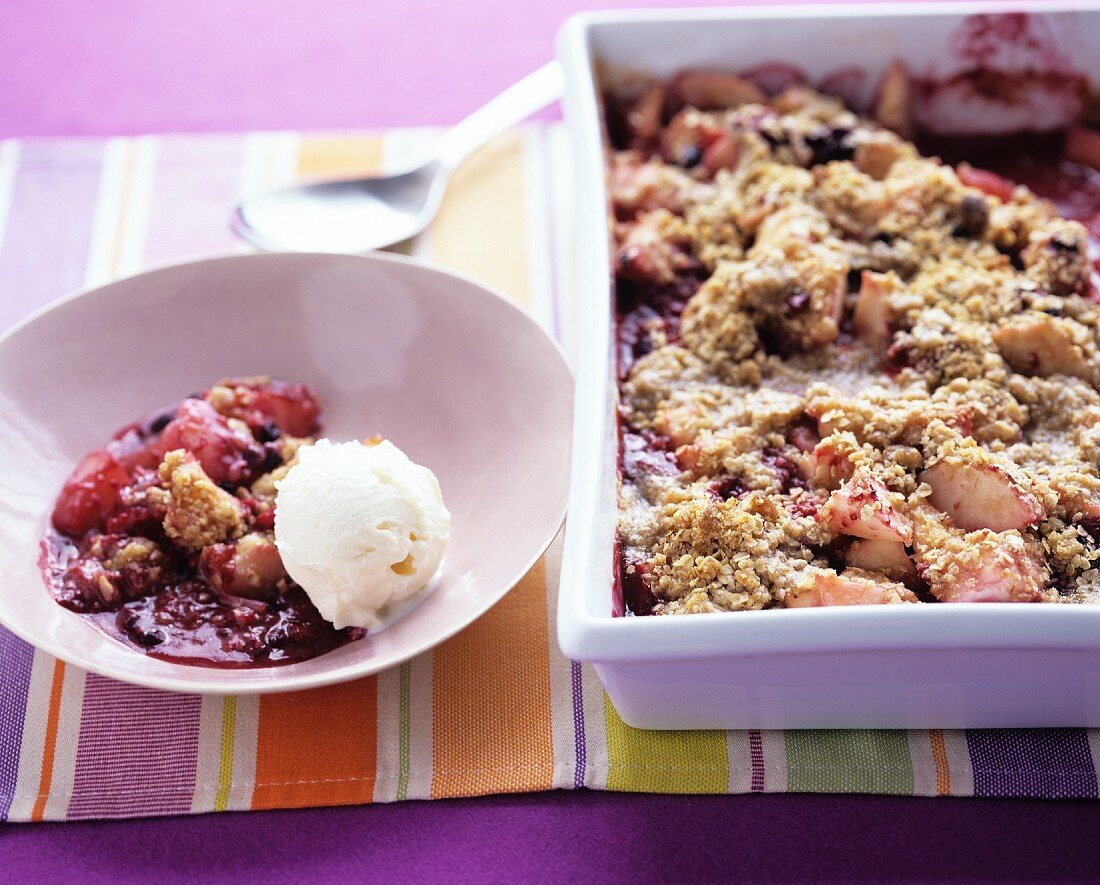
(45,248)
(143,739)
(197,181)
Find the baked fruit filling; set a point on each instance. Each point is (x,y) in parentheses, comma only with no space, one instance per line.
(164,537)
(849,373)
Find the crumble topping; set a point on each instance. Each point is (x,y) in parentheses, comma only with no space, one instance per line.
(198,513)
(849,373)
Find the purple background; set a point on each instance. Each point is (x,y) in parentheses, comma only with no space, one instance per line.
(132,66)
(86,67)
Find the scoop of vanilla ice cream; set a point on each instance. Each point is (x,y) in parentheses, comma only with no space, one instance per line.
(359,527)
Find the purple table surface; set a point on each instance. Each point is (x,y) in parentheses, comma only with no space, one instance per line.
(83,67)
(582,837)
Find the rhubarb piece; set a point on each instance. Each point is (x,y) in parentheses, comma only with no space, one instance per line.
(90,494)
(226,453)
(864,508)
(853,587)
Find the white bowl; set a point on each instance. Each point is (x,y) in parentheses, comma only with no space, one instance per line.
(462,380)
(922,666)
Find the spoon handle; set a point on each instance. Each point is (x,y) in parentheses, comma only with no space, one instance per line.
(516,103)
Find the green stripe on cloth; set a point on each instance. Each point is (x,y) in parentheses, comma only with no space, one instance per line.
(664,761)
(849,762)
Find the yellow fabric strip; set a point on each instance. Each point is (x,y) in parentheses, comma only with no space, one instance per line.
(225,767)
(480,227)
(664,761)
(339,154)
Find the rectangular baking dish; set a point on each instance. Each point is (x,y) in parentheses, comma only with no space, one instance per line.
(922,666)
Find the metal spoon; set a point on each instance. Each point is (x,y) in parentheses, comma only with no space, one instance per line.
(358,215)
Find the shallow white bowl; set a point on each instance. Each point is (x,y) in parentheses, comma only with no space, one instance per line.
(462,380)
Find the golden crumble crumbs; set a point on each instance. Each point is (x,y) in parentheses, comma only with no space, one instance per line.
(199,513)
(861,378)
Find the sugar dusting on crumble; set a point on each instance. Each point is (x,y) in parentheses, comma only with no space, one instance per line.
(860,307)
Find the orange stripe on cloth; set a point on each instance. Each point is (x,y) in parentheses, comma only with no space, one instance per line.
(317,747)
(943,766)
(491,729)
(339,154)
(491,721)
(45,780)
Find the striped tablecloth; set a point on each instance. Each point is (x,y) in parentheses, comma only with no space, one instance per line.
(497,708)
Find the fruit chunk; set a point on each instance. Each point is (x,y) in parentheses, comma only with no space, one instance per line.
(803,437)
(863,508)
(1039,344)
(89,494)
(873,316)
(692,138)
(1005,569)
(643,119)
(978,566)
(709,91)
(987,182)
(887,557)
(854,587)
(830,463)
(251,567)
(894,103)
(292,408)
(980,495)
(648,252)
(1083,146)
(225,453)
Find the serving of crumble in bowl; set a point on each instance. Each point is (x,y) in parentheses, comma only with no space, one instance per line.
(161,540)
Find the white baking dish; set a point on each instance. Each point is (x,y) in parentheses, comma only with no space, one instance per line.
(918,666)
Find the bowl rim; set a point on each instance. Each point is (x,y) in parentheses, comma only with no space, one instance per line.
(353,670)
